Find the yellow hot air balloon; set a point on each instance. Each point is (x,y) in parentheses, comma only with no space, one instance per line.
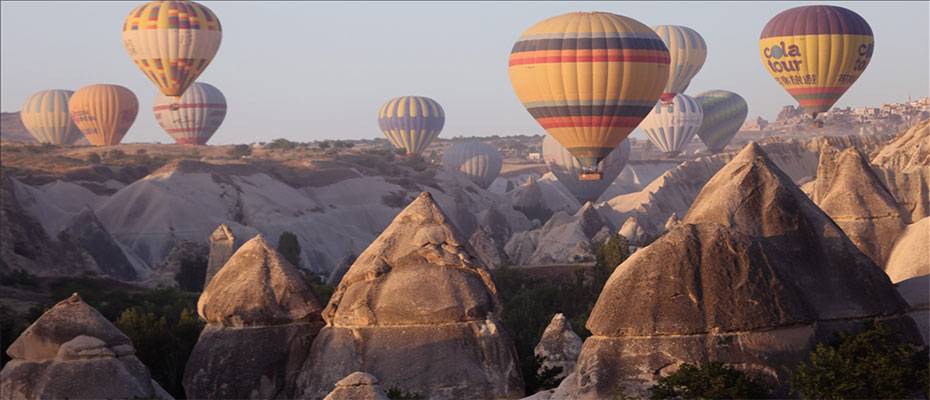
(172,42)
(103,112)
(687,51)
(589,79)
(816,53)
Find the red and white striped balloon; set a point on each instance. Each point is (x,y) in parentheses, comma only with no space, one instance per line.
(194,117)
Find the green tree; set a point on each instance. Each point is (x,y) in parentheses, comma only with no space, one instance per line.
(289,247)
(714,380)
(239,150)
(192,274)
(873,364)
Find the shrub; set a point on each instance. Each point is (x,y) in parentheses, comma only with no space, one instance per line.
(163,344)
(141,152)
(192,275)
(282,144)
(94,158)
(610,254)
(116,154)
(875,363)
(714,380)
(289,247)
(324,145)
(240,150)
(395,393)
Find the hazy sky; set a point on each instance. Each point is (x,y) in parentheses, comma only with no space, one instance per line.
(311,70)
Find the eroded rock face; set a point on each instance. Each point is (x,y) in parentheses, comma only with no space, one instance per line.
(357,386)
(850,192)
(559,346)
(563,239)
(222,246)
(754,276)
(86,231)
(910,150)
(261,320)
(416,310)
(909,268)
(72,351)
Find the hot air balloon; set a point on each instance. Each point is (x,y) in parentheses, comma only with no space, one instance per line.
(687,51)
(724,113)
(565,167)
(103,112)
(816,53)
(411,122)
(172,42)
(589,79)
(480,162)
(672,126)
(45,115)
(194,117)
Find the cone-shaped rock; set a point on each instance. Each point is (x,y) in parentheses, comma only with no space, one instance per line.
(909,268)
(222,246)
(755,275)
(72,351)
(633,231)
(559,346)
(856,199)
(416,310)
(358,386)
(261,320)
(86,231)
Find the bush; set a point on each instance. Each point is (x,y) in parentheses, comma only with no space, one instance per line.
(875,363)
(116,154)
(281,144)
(395,393)
(94,158)
(289,247)
(714,380)
(162,344)
(324,144)
(610,254)
(192,275)
(240,150)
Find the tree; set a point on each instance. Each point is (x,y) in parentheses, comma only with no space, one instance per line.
(240,150)
(714,380)
(192,274)
(94,158)
(324,145)
(875,363)
(289,247)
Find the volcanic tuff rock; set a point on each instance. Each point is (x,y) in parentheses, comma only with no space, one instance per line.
(86,231)
(850,192)
(358,386)
(559,346)
(223,243)
(563,239)
(72,351)
(167,272)
(909,268)
(633,232)
(539,198)
(754,276)
(910,150)
(261,319)
(418,312)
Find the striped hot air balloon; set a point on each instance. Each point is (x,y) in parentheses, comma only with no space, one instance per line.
(589,79)
(45,115)
(565,168)
(672,126)
(687,51)
(103,113)
(172,42)
(816,53)
(724,113)
(480,162)
(411,122)
(194,117)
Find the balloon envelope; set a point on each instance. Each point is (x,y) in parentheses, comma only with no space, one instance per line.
(589,79)
(103,113)
(480,162)
(172,42)
(687,51)
(724,113)
(194,117)
(411,122)
(672,126)
(46,116)
(566,168)
(816,53)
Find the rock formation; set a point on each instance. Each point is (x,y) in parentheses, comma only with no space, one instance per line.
(559,346)
(418,312)
(261,320)
(850,192)
(72,351)
(222,246)
(754,276)
(672,221)
(633,232)
(909,268)
(909,151)
(166,273)
(563,239)
(357,386)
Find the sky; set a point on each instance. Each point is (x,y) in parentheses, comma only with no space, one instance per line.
(320,70)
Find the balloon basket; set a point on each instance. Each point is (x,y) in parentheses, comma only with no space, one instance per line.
(590,176)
